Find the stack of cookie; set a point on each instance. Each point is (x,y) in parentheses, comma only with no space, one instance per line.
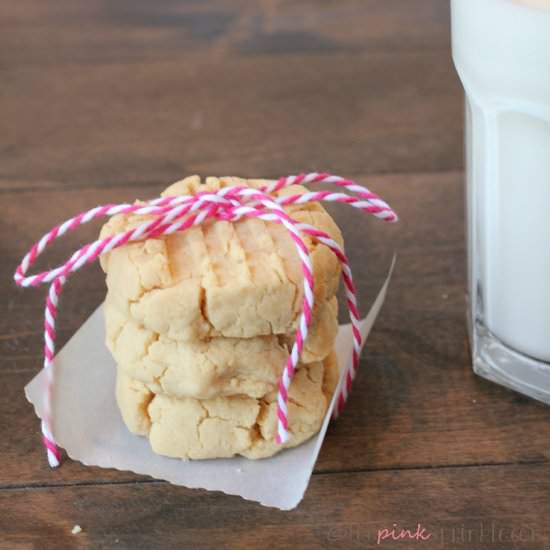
(201,322)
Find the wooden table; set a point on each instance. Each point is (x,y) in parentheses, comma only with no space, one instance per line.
(108,101)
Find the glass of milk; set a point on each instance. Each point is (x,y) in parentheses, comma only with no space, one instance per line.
(501,50)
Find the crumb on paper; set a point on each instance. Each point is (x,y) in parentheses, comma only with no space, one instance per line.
(444,296)
(474,401)
(76,529)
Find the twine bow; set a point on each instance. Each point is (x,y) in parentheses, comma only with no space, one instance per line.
(172,214)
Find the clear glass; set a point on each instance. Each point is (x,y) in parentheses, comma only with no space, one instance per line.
(501,50)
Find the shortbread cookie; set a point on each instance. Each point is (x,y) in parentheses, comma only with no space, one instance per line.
(237,280)
(219,367)
(227,426)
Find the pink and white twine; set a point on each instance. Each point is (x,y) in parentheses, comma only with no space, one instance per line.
(168,215)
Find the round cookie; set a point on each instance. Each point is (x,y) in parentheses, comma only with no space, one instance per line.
(226,426)
(232,279)
(219,367)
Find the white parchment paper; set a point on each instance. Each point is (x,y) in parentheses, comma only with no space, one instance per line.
(88,425)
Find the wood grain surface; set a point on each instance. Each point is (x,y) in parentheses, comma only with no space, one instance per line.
(109,101)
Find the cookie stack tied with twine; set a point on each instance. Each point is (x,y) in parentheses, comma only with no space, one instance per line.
(196,322)
(201,324)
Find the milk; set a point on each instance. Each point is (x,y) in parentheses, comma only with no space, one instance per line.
(501,50)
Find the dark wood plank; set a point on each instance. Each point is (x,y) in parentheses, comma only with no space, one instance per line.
(40,32)
(143,92)
(475,508)
(416,400)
